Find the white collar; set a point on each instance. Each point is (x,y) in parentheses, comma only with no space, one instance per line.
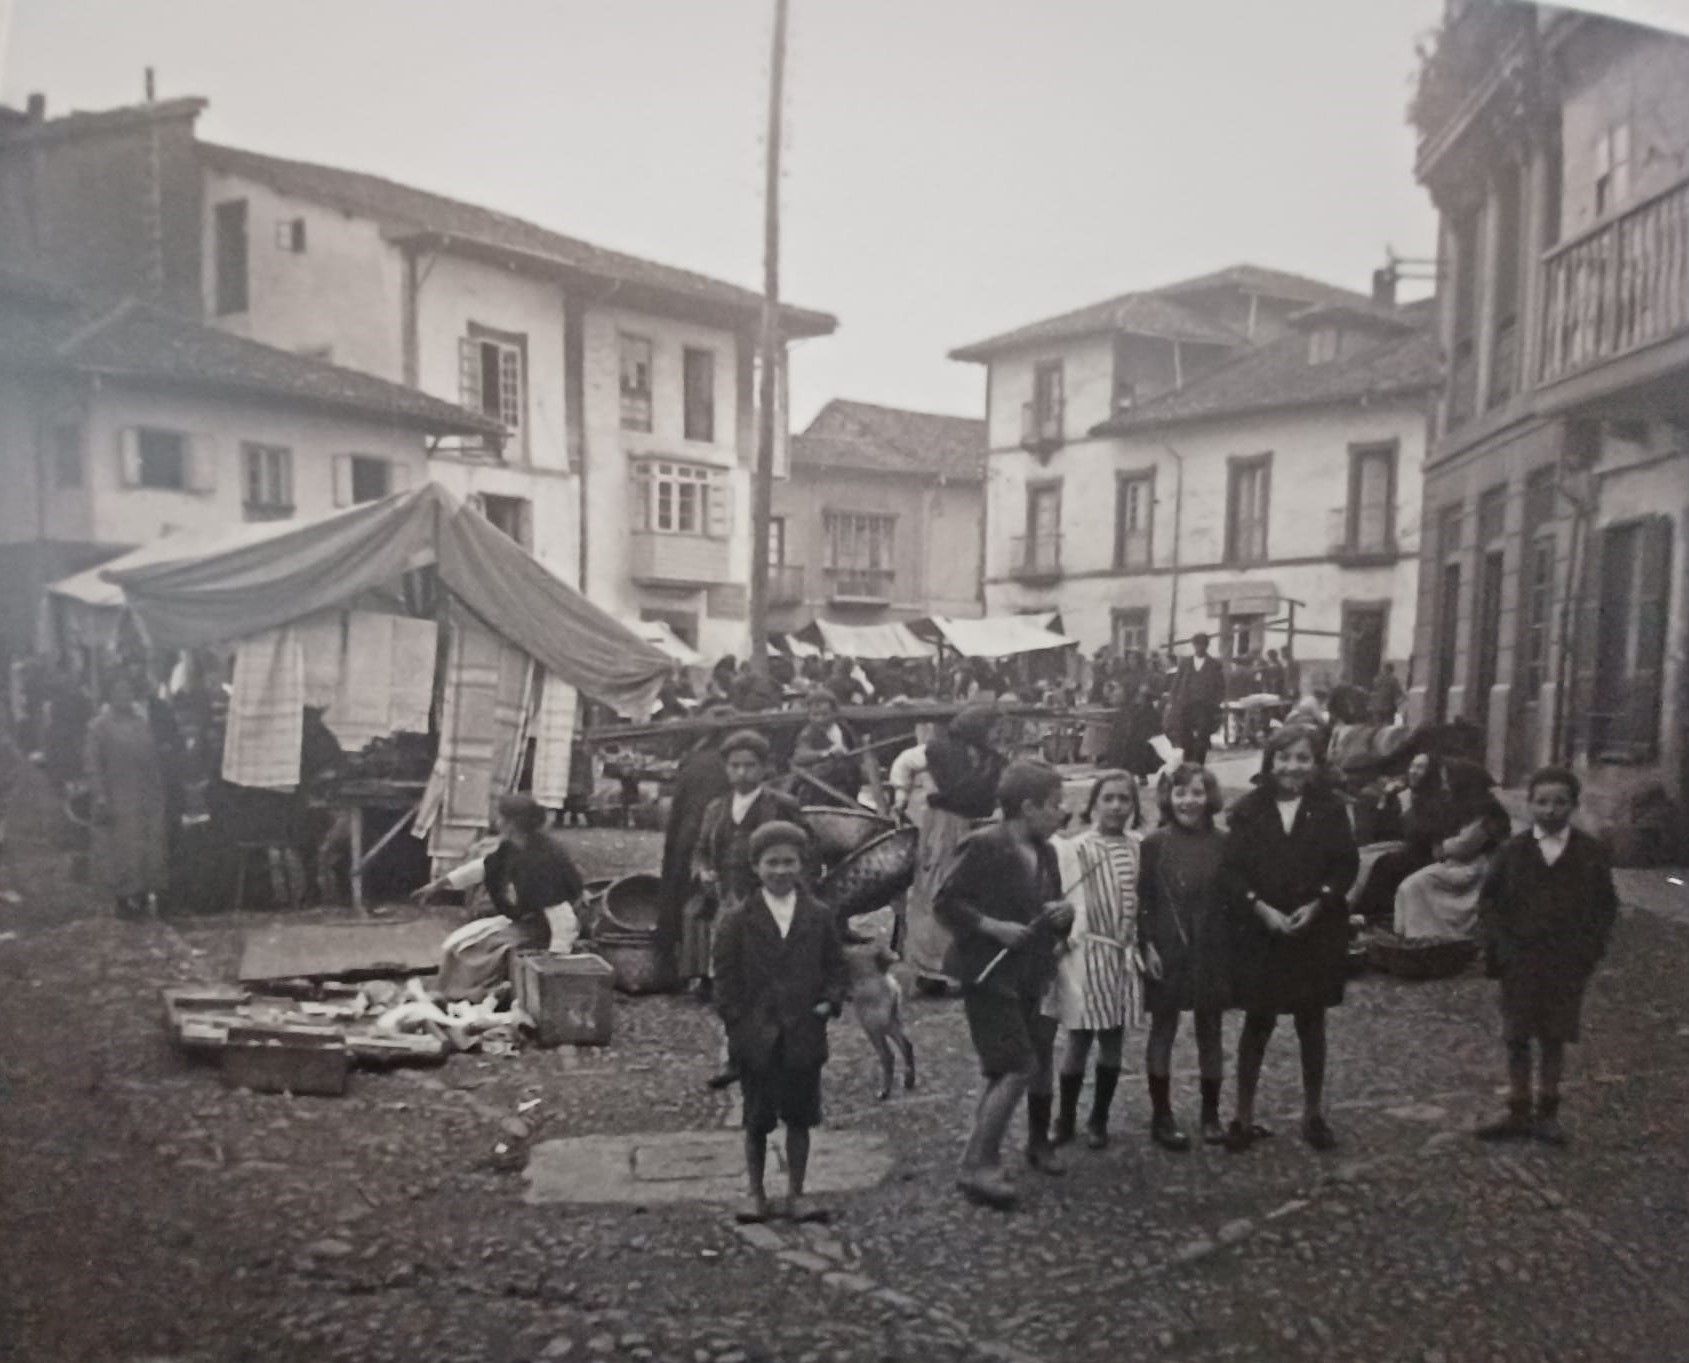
(743,803)
(782,908)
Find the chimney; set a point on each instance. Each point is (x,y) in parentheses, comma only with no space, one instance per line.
(151,86)
(36,107)
(1384,286)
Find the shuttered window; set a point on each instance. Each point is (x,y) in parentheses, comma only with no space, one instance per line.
(492,375)
(1622,651)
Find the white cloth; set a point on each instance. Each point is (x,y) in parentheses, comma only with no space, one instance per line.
(467,876)
(782,907)
(1287,812)
(741,804)
(554,740)
(371,671)
(1551,845)
(266,724)
(910,779)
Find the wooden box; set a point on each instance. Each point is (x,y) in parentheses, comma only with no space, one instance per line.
(287,1060)
(569,997)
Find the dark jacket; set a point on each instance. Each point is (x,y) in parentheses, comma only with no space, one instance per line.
(523,882)
(1553,918)
(990,879)
(964,776)
(1199,688)
(725,847)
(701,777)
(1182,914)
(767,986)
(1315,860)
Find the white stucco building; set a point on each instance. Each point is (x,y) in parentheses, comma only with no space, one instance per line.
(624,388)
(1217,456)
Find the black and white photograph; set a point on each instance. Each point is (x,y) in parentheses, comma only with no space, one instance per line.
(844,681)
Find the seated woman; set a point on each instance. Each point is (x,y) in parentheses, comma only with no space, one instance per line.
(1441,899)
(526,874)
(1419,812)
(826,746)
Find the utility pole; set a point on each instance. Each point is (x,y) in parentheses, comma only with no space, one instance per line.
(762,489)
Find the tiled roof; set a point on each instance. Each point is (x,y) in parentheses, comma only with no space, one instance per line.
(875,439)
(17,128)
(145,344)
(401,208)
(1278,375)
(1169,312)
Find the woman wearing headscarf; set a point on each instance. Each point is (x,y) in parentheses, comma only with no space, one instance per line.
(1419,811)
(963,767)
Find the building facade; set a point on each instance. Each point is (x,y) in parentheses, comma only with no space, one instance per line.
(882,518)
(121,424)
(1237,455)
(1553,610)
(623,389)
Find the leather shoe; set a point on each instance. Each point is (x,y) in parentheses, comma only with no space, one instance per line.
(987,1188)
(1044,1160)
(1317,1132)
(1165,1132)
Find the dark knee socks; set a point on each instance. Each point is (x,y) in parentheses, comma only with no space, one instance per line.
(1210,1100)
(1038,1119)
(1161,1096)
(1108,1076)
(1067,1116)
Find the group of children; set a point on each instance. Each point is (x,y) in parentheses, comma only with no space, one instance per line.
(1092,933)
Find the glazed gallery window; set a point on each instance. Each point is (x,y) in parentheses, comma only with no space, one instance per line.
(858,542)
(1248,488)
(681,499)
(266,481)
(492,371)
(636,382)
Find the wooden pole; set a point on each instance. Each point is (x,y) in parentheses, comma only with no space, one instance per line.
(762,489)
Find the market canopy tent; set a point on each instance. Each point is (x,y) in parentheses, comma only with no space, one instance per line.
(234,593)
(997,636)
(872,642)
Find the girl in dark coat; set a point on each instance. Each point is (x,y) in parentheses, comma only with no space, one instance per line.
(1288,862)
(1182,938)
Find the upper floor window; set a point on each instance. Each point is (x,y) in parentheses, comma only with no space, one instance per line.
(1612,168)
(266,481)
(229,250)
(1047,401)
(1134,509)
(512,515)
(492,371)
(67,456)
(1372,499)
(1322,345)
(681,499)
(290,235)
(636,382)
(165,460)
(698,382)
(1129,628)
(360,478)
(776,541)
(1248,489)
(857,551)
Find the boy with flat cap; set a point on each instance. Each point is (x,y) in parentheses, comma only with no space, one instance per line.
(780,977)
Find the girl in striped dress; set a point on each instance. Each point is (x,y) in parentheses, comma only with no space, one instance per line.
(1096,993)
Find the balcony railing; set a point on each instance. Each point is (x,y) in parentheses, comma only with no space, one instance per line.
(1618,287)
(1041,425)
(785,584)
(1037,558)
(860,586)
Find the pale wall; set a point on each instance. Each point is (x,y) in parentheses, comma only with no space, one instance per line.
(1087,384)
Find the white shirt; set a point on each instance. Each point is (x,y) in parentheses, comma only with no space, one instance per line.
(1287,812)
(742,804)
(1552,845)
(782,907)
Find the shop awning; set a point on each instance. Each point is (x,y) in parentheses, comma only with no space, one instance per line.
(232,594)
(871,642)
(661,636)
(998,636)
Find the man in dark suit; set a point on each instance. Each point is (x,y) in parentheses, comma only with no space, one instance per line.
(1198,691)
(780,977)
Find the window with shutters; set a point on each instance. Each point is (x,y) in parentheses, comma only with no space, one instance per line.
(1134,512)
(290,235)
(636,382)
(1248,491)
(1372,499)
(163,459)
(266,481)
(1632,605)
(229,250)
(493,369)
(698,382)
(681,499)
(1539,613)
(1130,629)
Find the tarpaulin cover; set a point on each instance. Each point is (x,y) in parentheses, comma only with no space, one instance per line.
(998,636)
(871,641)
(228,595)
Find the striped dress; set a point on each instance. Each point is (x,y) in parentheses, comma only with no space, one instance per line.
(1097,985)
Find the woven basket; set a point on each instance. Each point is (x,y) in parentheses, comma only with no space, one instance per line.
(872,876)
(1420,958)
(632,904)
(839,831)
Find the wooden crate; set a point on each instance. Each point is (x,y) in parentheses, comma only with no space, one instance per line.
(287,1060)
(568,997)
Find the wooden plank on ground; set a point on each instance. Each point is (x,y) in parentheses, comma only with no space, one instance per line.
(325,951)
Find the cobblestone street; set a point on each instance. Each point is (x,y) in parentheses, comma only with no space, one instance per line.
(152,1214)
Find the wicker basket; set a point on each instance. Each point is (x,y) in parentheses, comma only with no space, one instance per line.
(632,904)
(1420,958)
(591,908)
(872,876)
(839,831)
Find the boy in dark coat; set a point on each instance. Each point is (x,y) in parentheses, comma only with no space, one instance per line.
(1003,905)
(780,976)
(1546,910)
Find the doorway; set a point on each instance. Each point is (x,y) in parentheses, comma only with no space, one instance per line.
(1365,629)
(1448,646)
(1486,638)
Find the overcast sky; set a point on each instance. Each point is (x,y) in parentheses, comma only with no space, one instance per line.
(953,167)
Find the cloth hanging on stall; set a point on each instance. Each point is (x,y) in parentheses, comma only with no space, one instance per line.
(266,724)
(488,695)
(554,740)
(386,681)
